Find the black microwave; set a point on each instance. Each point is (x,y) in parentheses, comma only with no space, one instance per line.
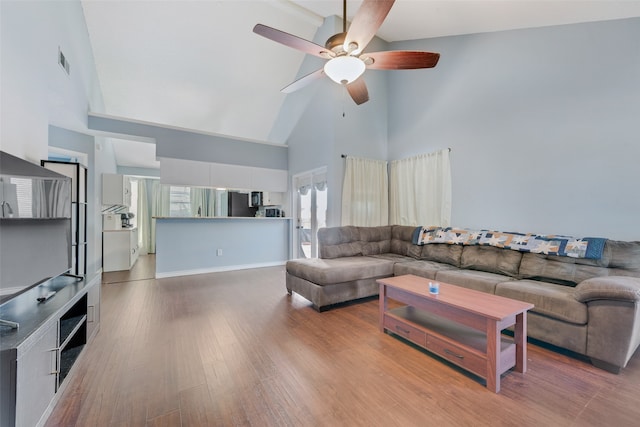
(273,213)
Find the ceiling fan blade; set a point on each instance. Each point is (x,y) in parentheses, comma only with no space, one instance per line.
(303,81)
(292,41)
(401,60)
(366,22)
(358,91)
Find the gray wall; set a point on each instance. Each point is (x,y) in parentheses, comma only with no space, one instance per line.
(191,145)
(543,125)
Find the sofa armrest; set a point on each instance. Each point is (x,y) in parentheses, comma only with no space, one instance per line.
(620,288)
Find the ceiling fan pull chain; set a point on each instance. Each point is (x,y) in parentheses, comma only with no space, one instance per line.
(344,16)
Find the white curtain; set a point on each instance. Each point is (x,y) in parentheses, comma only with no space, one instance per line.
(365,192)
(160,207)
(202,199)
(420,190)
(144,217)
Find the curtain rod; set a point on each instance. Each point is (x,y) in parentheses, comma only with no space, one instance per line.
(344,156)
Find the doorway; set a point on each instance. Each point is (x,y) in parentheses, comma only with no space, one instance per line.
(310,200)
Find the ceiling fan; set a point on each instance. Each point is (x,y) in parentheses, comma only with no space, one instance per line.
(344,51)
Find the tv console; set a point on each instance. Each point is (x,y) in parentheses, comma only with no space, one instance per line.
(37,358)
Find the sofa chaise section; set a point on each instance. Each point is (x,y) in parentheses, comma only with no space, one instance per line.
(351,260)
(326,282)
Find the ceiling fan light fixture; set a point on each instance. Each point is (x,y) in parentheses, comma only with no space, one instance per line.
(344,69)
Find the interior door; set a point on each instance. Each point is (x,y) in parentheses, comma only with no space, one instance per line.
(310,211)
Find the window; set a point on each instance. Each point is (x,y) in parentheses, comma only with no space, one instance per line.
(24,192)
(180,201)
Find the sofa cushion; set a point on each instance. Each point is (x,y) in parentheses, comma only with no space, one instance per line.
(623,255)
(336,242)
(442,252)
(375,240)
(331,271)
(490,259)
(549,299)
(401,241)
(561,270)
(477,280)
(427,269)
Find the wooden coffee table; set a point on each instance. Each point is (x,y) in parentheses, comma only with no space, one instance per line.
(460,325)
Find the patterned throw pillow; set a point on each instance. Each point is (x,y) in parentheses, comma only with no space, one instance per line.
(449,235)
(424,235)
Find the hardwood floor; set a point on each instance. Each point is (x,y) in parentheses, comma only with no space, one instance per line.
(144,268)
(234,349)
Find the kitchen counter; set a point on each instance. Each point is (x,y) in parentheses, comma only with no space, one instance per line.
(218,217)
(197,245)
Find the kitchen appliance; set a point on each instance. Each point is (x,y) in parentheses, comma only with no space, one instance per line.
(111,221)
(239,204)
(125,218)
(273,213)
(255,199)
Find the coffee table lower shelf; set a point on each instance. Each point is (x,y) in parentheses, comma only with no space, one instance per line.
(461,345)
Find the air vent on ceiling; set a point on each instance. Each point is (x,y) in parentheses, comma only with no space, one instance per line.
(62,60)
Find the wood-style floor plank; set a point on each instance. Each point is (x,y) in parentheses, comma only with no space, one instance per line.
(233,349)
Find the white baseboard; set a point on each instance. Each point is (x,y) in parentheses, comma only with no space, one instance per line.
(217,269)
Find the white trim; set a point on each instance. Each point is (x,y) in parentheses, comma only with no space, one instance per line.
(218,269)
(162,126)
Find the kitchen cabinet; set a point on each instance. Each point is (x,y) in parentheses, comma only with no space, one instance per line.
(120,249)
(263,179)
(181,172)
(78,175)
(270,198)
(221,175)
(116,190)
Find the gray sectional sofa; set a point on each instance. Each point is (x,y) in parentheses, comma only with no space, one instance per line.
(588,306)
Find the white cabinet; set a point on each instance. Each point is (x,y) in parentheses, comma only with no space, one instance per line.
(36,377)
(120,249)
(269,179)
(184,172)
(229,176)
(204,174)
(116,190)
(270,198)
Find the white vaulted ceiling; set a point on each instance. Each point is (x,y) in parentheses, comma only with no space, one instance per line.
(198,65)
